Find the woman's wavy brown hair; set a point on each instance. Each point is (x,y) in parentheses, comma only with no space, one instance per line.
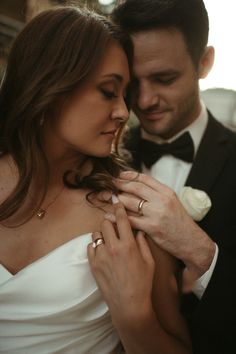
(49,59)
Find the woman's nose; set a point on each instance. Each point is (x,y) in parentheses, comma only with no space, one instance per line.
(121,111)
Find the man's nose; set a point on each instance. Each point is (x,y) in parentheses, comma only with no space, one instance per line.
(146,97)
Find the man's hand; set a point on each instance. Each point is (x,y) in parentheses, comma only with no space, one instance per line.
(165,220)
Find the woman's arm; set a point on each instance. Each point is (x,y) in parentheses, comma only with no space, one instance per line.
(166,299)
(124,270)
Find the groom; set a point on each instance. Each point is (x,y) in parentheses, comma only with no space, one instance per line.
(179,142)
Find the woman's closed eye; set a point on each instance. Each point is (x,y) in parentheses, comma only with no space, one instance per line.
(109,94)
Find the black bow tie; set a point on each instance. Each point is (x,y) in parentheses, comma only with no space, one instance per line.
(181,148)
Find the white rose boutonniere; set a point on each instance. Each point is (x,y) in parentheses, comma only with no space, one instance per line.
(196,202)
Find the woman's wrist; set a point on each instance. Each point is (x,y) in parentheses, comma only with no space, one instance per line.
(135,318)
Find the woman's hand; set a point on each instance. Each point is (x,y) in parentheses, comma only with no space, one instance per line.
(123,268)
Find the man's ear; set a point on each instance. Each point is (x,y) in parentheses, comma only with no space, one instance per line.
(206,62)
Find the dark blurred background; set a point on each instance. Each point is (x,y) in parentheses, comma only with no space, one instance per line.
(219,96)
(15,13)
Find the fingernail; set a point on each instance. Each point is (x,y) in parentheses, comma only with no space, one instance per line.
(114,198)
(129,175)
(111,217)
(105,195)
(125,173)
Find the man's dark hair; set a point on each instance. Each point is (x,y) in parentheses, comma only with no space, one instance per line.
(188,16)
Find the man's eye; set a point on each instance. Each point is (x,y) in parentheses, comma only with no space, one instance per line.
(168,81)
(108,94)
(165,81)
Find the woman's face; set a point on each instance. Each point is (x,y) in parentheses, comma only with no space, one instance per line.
(90,119)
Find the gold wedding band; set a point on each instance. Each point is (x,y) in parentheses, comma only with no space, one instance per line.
(140,205)
(97,242)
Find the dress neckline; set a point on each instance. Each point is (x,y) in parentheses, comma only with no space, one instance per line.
(63,245)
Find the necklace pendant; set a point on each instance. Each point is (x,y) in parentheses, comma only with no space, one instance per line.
(40,213)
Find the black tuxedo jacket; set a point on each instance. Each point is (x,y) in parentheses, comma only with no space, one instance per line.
(212,320)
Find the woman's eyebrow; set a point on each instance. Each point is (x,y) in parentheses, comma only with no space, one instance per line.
(115,76)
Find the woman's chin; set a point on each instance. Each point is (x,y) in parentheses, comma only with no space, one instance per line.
(102,154)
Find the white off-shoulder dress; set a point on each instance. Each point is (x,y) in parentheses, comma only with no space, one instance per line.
(53,306)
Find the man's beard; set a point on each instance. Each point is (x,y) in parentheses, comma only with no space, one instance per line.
(178,121)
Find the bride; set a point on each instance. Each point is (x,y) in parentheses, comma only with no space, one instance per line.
(62,110)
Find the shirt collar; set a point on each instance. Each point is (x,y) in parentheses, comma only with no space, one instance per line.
(196,130)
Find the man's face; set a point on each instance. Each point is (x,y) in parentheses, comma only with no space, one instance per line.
(166,98)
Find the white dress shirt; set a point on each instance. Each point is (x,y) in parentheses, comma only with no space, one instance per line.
(173,172)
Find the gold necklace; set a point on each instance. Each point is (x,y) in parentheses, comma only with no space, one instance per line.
(40,213)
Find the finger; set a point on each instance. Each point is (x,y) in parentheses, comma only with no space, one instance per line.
(149,181)
(135,189)
(104,196)
(139,223)
(91,253)
(96,260)
(132,203)
(143,247)
(109,232)
(111,217)
(122,223)
(138,190)
(98,240)
(96,235)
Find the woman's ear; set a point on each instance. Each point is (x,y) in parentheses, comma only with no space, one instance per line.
(206,62)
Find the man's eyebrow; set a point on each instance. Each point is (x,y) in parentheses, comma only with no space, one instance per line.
(159,74)
(164,73)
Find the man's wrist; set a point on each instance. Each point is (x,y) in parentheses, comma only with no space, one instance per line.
(201,255)
(202,283)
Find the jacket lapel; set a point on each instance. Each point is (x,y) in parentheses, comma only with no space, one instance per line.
(211,156)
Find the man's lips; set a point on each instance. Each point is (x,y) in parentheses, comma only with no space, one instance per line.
(155,115)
